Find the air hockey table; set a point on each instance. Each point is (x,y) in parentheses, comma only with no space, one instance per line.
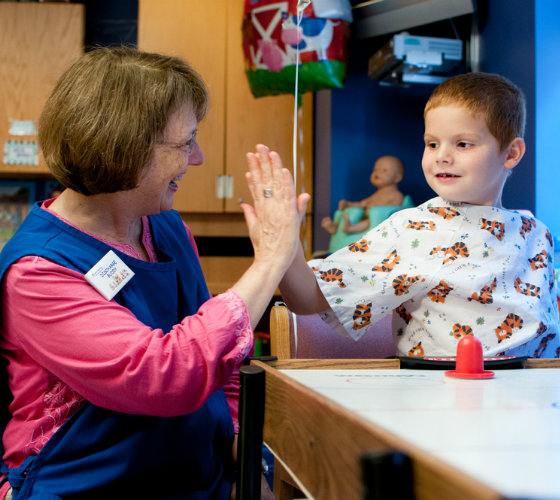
(475,439)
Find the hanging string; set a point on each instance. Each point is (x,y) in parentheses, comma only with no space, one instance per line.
(301,5)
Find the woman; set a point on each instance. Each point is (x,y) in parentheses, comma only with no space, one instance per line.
(119,361)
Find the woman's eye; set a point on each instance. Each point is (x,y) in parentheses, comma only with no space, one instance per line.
(187,147)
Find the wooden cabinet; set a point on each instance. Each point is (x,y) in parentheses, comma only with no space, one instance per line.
(38,41)
(207,33)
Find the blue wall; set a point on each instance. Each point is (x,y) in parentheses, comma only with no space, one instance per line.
(547,43)
(507,47)
(369,121)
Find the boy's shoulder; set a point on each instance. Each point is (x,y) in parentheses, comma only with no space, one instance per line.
(491,218)
(450,210)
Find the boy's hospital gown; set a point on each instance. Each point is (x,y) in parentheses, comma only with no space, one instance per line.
(448,270)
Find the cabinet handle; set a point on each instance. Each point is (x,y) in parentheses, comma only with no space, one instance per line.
(224,186)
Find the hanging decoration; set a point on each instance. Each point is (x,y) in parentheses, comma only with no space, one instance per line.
(277,35)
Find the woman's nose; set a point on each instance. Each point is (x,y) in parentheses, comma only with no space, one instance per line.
(196,157)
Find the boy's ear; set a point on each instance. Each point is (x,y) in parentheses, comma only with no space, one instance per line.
(514,152)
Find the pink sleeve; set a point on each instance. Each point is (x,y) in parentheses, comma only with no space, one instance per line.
(104,353)
(232,391)
(232,387)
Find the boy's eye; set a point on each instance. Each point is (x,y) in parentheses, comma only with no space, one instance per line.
(431,145)
(464,144)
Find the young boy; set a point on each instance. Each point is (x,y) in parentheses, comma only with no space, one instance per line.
(459,264)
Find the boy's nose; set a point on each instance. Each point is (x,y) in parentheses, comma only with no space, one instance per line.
(443,155)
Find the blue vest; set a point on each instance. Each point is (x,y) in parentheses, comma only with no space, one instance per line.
(103,454)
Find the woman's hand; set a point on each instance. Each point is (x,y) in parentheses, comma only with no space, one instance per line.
(274,224)
(274,221)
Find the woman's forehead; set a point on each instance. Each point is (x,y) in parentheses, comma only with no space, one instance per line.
(182,121)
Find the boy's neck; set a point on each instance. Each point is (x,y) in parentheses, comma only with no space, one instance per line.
(496,204)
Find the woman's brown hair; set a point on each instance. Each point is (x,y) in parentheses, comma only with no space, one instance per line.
(101,122)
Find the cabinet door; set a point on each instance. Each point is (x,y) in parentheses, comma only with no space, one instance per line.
(266,120)
(37,43)
(196,32)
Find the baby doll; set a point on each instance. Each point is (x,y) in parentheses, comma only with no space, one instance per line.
(387,172)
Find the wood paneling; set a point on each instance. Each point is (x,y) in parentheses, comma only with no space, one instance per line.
(38,41)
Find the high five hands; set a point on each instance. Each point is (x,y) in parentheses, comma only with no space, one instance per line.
(275,218)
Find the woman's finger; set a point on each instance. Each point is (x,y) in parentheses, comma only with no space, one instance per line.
(264,166)
(278,184)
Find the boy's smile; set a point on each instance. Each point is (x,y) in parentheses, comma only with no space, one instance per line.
(462,161)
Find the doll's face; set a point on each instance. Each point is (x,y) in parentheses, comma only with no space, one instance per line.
(386,172)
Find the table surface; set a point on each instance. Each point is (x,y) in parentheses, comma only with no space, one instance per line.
(504,431)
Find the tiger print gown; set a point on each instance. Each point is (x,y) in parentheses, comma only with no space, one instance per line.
(445,271)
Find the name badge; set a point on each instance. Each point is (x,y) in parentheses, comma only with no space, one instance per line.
(109,275)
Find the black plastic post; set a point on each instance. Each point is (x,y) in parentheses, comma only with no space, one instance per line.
(387,475)
(251,421)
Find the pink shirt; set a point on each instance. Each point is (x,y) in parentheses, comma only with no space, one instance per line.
(66,343)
